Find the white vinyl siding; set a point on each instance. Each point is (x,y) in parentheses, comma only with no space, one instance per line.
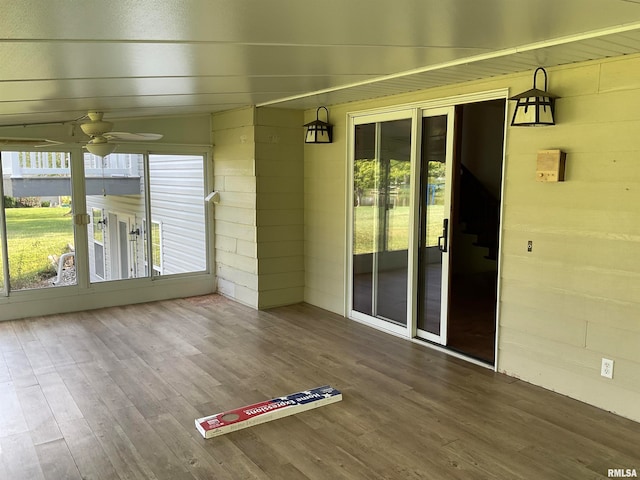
(177,201)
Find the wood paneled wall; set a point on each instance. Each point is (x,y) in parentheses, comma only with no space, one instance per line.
(576,297)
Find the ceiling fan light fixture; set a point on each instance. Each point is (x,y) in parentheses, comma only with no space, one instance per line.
(100,147)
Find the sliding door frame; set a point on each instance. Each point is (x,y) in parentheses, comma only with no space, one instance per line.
(415,110)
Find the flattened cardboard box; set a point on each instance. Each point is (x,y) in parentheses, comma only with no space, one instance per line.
(232,420)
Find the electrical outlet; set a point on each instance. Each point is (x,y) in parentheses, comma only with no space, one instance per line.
(607,368)
(529,246)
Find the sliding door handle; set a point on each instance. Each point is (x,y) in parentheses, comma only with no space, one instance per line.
(443,241)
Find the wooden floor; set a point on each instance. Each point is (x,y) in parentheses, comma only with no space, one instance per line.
(113,394)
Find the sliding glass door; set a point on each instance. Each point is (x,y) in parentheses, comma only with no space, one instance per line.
(401,171)
(381,219)
(434,225)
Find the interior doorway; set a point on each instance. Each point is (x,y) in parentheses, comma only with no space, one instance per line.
(475,227)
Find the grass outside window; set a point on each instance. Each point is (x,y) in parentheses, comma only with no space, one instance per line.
(34,234)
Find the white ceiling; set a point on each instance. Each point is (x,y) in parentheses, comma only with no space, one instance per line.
(139,58)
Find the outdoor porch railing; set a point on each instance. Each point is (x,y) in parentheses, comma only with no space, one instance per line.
(25,164)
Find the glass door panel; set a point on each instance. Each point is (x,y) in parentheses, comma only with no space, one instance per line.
(39,219)
(434,208)
(381,216)
(178,221)
(116,203)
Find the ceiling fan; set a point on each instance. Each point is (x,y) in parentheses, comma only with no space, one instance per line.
(101,137)
(100,132)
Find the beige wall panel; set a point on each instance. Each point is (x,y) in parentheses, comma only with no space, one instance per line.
(329,191)
(283,248)
(281,264)
(318,236)
(604,167)
(571,81)
(279,136)
(282,117)
(234,136)
(620,74)
(279,152)
(233,118)
(330,302)
(246,184)
(276,200)
(238,277)
(613,285)
(283,167)
(276,298)
(620,106)
(226,244)
(275,233)
(279,174)
(246,295)
(239,262)
(246,248)
(588,250)
(626,374)
(603,224)
(523,293)
(290,216)
(280,184)
(574,359)
(538,322)
(235,230)
(555,197)
(233,161)
(615,342)
(575,138)
(617,398)
(279,281)
(238,200)
(243,216)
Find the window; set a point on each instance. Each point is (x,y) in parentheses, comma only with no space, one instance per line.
(98,223)
(156,248)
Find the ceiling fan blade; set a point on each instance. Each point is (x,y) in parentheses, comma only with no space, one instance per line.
(133,137)
(37,142)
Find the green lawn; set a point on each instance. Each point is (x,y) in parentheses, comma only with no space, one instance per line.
(397,228)
(32,235)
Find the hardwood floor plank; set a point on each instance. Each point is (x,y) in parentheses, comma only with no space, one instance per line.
(9,341)
(105,388)
(188,449)
(56,462)
(60,400)
(38,415)
(114,393)
(138,393)
(150,446)
(87,452)
(20,370)
(19,458)
(12,419)
(38,357)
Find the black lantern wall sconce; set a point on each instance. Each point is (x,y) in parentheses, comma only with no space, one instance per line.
(319,131)
(534,108)
(134,234)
